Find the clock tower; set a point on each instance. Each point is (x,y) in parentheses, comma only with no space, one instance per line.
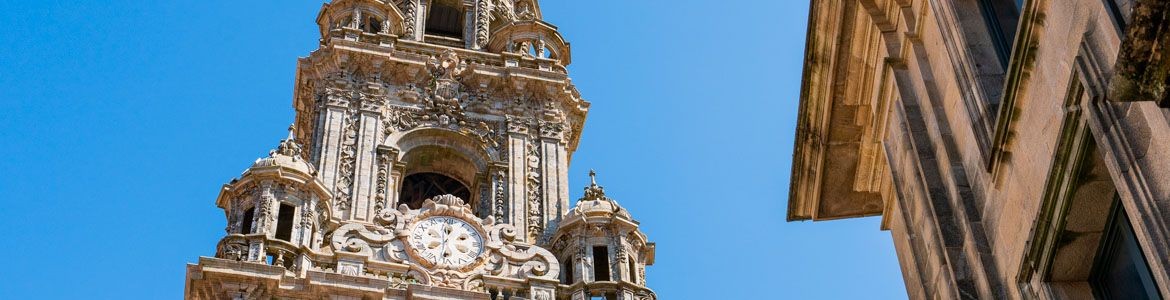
(428,160)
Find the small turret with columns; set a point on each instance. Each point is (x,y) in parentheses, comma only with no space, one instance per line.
(275,210)
(602,252)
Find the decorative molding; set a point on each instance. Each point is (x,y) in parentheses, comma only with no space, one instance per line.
(1020,67)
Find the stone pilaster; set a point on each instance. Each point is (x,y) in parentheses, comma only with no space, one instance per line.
(555,180)
(516,182)
(366,168)
(332,124)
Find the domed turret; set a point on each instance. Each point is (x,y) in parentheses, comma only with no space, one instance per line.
(602,251)
(287,155)
(275,210)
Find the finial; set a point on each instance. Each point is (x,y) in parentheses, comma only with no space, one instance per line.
(594,191)
(288,146)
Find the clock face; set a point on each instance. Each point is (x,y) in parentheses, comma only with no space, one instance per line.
(446,242)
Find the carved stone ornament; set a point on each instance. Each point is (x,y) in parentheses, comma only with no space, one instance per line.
(449,245)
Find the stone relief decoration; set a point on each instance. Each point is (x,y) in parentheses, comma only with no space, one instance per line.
(500,198)
(346,163)
(381,178)
(445,88)
(503,11)
(409,10)
(525,10)
(443,244)
(443,106)
(482,21)
(532,175)
(264,211)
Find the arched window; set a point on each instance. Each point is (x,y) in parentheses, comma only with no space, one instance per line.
(284,222)
(567,269)
(246,222)
(419,187)
(445,19)
(600,263)
(633,271)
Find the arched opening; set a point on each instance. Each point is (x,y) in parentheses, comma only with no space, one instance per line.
(419,187)
(246,222)
(444,153)
(601,263)
(372,25)
(284,222)
(445,18)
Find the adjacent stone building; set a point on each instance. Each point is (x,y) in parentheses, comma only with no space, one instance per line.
(428,160)
(1014,149)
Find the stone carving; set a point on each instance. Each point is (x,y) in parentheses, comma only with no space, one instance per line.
(481,23)
(344,185)
(519,125)
(288,146)
(502,11)
(502,254)
(535,201)
(446,71)
(525,10)
(233,249)
(499,179)
(380,178)
(409,10)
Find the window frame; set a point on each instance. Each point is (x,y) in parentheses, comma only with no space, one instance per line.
(1119,223)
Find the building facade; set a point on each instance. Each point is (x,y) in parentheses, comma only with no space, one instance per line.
(1014,149)
(428,160)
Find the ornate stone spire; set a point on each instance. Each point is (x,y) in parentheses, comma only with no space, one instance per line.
(593,191)
(288,146)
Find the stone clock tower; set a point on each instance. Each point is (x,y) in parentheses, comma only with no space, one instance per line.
(428,160)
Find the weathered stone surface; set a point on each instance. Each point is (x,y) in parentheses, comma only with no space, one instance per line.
(1001,164)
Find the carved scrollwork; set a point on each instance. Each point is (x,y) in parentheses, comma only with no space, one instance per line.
(512,259)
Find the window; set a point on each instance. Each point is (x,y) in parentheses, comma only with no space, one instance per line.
(568,270)
(246,222)
(1001,17)
(633,271)
(284,222)
(1121,270)
(445,19)
(600,263)
(419,187)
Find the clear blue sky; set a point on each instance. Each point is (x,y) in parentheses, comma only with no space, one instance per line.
(122,119)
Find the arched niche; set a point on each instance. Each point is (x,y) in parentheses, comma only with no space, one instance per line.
(440,152)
